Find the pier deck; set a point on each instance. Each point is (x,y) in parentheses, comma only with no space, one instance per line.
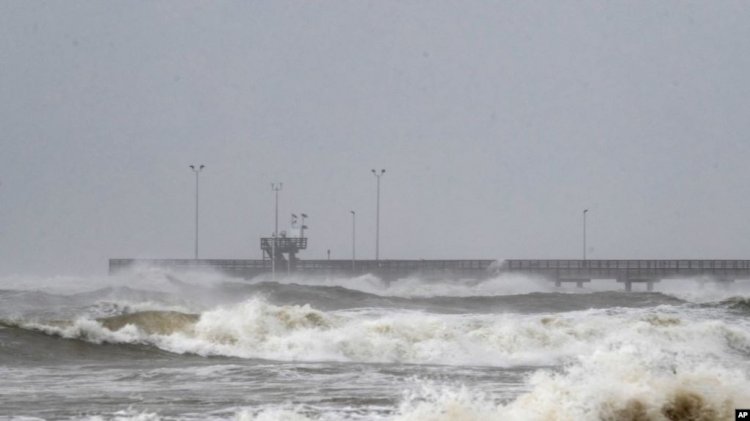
(389,269)
(559,271)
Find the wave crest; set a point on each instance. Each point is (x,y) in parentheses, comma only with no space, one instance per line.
(152,322)
(258,329)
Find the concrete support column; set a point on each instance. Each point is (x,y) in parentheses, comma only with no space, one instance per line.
(650,286)
(579,284)
(558,282)
(625,280)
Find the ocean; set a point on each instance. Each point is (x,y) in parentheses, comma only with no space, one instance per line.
(158,345)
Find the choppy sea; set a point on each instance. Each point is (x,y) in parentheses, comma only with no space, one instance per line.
(158,345)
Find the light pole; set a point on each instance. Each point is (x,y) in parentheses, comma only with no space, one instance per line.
(196,171)
(354,238)
(276,187)
(377,216)
(585,211)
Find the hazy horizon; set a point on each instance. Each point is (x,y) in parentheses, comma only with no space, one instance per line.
(497,124)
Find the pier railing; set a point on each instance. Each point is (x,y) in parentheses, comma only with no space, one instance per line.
(558,270)
(626,264)
(250,267)
(588,269)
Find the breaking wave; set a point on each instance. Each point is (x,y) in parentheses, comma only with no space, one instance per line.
(658,362)
(213,288)
(256,328)
(415,287)
(595,391)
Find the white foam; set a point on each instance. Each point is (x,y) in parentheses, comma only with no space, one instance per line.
(270,414)
(609,385)
(258,329)
(697,290)
(634,380)
(125,415)
(414,286)
(144,278)
(617,384)
(704,290)
(117,307)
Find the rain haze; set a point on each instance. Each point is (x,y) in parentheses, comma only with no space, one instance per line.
(497,124)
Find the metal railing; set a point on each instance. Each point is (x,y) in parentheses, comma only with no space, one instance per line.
(643,264)
(340,265)
(284,243)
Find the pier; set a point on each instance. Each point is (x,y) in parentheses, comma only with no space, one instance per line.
(560,272)
(386,269)
(629,272)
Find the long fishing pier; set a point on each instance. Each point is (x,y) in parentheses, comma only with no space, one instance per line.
(559,271)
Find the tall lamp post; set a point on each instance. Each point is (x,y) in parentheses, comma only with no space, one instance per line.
(354,238)
(197,171)
(276,187)
(377,216)
(585,211)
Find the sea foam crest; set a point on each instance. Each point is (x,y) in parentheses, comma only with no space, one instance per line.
(611,386)
(416,286)
(258,329)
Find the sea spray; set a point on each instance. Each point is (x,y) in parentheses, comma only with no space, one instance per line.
(258,329)
(629,356)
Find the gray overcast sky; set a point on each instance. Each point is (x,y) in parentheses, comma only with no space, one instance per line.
(497,123)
